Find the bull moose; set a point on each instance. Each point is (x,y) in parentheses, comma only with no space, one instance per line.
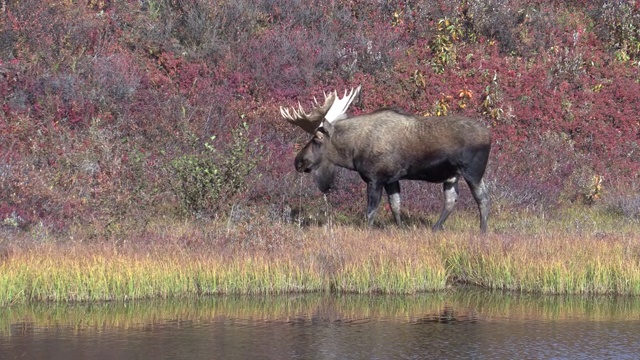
(387,146)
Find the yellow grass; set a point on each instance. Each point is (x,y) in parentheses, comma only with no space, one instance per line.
(181,259)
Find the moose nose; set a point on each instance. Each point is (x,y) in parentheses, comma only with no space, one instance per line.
(301,165)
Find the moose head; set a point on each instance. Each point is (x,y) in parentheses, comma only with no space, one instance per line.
(387,146)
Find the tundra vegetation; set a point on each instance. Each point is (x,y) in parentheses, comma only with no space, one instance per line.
(142,152)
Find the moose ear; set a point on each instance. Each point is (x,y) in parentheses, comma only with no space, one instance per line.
(327,127)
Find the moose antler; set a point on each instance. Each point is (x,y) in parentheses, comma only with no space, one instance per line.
(339,108)
(309,122)
(333,109)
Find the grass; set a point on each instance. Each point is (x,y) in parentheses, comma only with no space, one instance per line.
(49,274)
(553,265)
(573,252)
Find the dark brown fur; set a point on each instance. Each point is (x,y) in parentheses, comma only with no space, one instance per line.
(388,145)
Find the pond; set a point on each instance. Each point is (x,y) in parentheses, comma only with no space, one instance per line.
(459,324)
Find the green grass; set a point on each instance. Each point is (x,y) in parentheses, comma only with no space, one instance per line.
(573,253)
(551,265)
(49,275)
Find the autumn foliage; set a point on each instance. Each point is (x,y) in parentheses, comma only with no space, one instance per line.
(99,98)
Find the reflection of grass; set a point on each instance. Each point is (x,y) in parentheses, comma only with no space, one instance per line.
(593,253)
(519,306)
(460,305)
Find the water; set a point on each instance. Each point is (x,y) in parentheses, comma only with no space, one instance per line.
(456,325)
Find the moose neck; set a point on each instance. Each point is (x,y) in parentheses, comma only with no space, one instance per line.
(343,144)
(324,176)
(339,155)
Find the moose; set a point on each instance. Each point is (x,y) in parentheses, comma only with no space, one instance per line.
(389,145)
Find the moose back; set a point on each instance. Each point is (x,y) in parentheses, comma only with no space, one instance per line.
(388,145)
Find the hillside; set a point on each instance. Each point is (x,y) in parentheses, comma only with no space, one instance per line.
(117,112)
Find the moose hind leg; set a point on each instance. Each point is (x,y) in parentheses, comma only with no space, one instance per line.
(374,194)
(450,191)
(393,193)
(479,191)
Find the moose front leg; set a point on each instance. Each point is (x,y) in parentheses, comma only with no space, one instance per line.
(374,194)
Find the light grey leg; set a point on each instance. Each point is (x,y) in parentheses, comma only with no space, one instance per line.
(393,192)
(481,196)
(450,191)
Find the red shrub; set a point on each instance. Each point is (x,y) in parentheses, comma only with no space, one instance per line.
(96,101)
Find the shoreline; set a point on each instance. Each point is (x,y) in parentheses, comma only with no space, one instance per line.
(282,259)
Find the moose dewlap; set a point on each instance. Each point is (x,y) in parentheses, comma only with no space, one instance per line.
(388,145)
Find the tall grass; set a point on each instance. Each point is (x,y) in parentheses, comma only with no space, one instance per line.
(52,276)
(554,265)
(95,273)
(601,257)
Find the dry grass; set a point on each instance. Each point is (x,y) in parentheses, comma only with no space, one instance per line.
(592,253)
(349,260)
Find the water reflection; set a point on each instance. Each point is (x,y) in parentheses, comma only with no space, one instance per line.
(460,324)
